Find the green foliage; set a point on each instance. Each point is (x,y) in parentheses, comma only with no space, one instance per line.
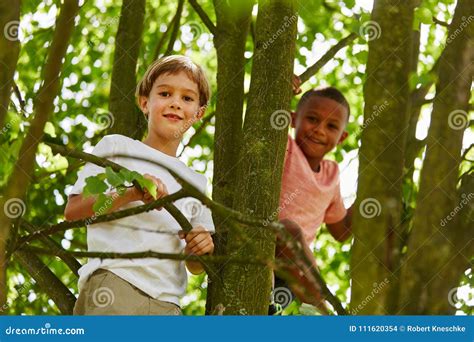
(84,95)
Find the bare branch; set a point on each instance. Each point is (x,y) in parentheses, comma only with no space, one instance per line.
(45,231)
(313,69)
(440,22)
(161,42)
(174,32)
(203,125)
(152,254)
(47,280)
(204,17)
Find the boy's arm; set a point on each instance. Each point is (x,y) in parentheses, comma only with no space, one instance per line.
(342,230)
(79,207)
(198,242)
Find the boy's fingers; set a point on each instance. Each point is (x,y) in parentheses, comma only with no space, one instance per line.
(199,235)
(195,240)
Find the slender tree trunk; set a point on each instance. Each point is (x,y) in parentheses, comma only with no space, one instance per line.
(43,107)
(432,241)
(9,50)
(233,21)
(246,288)
(377,220)
(47,281)
(127,118)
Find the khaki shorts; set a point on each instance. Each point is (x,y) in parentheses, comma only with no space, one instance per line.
(107,294)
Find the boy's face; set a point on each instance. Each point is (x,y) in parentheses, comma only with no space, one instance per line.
(319,125)
(172,106)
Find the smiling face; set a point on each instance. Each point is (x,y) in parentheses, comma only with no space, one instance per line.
(319,124)
(172,106)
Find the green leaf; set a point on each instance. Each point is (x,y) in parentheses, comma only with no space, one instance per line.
(126,175)
(113,178)
(100,206)
(94,186)
(147,184)
(49,129)
(424,15)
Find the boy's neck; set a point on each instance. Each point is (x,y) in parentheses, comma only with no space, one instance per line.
(166,146)
(314,163)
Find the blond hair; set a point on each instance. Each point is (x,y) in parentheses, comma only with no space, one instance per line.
(172,65)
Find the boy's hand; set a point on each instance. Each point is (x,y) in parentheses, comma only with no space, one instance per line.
(296,85)
(145,196)
(198,241)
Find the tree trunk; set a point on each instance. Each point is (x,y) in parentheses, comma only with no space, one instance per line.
(376,223)
(47,281)
(9,50)
(233,21)
(433,242)
(246,288)
(43,106)
(127,118)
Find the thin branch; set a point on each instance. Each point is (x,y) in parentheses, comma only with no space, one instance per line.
(177,215)
(204,17)
(440,22)
(203,125)
(98,219)
(418,95)
(69,260)
(313,69)
(174,32)
(464,155)
(47,281)
(188,189)
(161,42)
(21,101)
(152,254)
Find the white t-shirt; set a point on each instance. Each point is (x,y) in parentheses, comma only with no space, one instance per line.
(162,279)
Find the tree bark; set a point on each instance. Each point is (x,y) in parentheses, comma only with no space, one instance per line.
(376,224)
(47,281)
(43,107)
(432,242)
(9,50)
(246,289)
(127,118)
(233,21)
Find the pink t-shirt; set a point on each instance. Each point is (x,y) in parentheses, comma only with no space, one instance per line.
(309,198)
